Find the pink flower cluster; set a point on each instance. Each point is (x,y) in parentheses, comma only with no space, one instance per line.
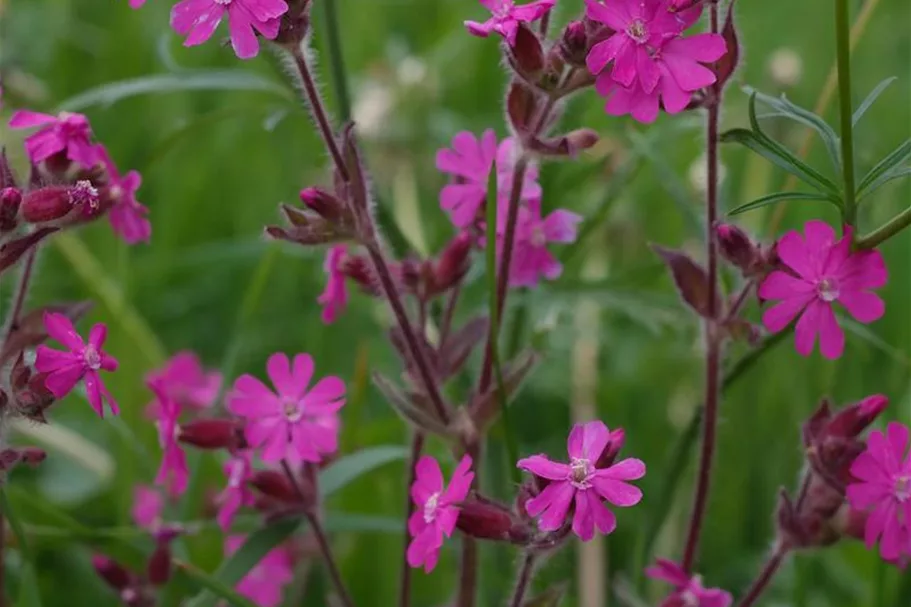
(69,136)
(469,163)
(646,63)
(198,20)
(818,272)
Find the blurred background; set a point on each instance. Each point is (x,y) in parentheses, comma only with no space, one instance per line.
(221,142)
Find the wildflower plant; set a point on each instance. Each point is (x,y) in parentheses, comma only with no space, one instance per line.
(275,430)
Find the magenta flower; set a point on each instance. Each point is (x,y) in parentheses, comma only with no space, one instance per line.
(66,131)
(238,470)
(507,16)
(824,271)
(334,298)
(183,379)
(173,473)
(127,215)
(134,4)
(531,259)
(437,509)
(81,362)
(582,480)
(295,423)
(148,505)
(689,590)
(265,582)
(197,20)
(884,488)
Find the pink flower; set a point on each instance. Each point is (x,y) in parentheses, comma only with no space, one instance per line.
(66,131)
(531,259)
(469,162)
(689,589)
(183,379)
(127,215)
(81,362)
(824,271)
(334,298)
(197,20)
(238,469)
(264,583)
(582,480)
(437,509)
(507,16)
(650,59)
(173,472)
(295,423)
(134,4)
(884,487)
(148,506)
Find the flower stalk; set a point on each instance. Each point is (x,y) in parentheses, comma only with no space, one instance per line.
(524,580)
(843,49)
(768,571)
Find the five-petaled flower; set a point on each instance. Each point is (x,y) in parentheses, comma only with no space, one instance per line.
(506,17)
(65,132)
(470,161)
(264,584)
(173,473)
(823,271)
(82,361)
(184,380)
(531,259)
(650,59)
(334,297)
(437,509)
(236,493)
(197,20)
(582,480)
(689,591)
(293,423)
(884,489)
(127,215)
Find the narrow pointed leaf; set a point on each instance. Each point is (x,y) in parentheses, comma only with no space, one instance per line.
(780,197)
(871,99)
(895,158)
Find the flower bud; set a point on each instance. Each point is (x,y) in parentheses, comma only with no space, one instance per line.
(111,572)
(453,263)
(55,202)
(527,55)
(490,521)
(614,444)
(323,204)
(806,525)
(294,24)
(358,269)
(737,248)
(10,199)
(574,44)
(275,485)
(159,568)
(212,434)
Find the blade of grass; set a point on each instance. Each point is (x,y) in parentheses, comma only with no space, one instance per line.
(29,593)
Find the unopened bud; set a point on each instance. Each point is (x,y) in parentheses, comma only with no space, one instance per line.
(854,419)
(159,568)
(574,44)
(614,444)
(212,434)
(527,54)
(275,485)
(453,263)
(10,199)
(55,202)
(490,521)
(323,203)
(358,269)
(737,248)
(111,572)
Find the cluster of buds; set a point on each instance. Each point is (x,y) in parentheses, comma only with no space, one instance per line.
(820,516)
(752,259)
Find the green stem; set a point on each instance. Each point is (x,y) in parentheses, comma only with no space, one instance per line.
(843,45)
(885,232)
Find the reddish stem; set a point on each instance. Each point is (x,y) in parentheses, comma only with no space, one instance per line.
(712,339)
(21,293)
(417,445)
(524,581)
(765,577)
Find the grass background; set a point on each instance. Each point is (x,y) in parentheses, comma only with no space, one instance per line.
(215,163)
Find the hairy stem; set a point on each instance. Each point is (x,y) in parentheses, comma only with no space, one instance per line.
(885,232)
(21,293)
(765,576)
(417,352)
(318,109)
(711,336)
(524,580)
(417,445)
(843,47)
(449,313)
(321,539)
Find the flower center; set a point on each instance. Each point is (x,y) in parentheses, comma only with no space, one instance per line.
(223,2)
(637,31)
(91,357)
(292,411)
(827,289)
(903,488)
(430,508)
(581,472)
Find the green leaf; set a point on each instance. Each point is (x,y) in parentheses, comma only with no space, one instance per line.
(871,99)
(213,584)
(779,197)
(781,158)
(191,80)
(895,158)
(350,467)
(790,110)
(29,593)
(895,173)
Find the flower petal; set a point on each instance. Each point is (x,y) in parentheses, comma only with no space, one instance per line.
(540,465)
(60,328)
